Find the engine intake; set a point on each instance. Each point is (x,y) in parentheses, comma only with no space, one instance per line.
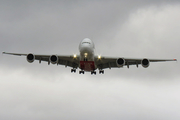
(30,58)
(53,59)
(120,62)
(145,63)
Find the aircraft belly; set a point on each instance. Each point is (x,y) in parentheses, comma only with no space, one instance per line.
(87,65)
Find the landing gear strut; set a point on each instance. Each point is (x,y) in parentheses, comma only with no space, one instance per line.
(85,59)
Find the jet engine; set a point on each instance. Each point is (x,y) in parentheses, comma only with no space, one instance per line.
(145,63)
(120,62)
(53,59)
(30,58)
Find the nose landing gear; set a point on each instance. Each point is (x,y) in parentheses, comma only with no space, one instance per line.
(85,59)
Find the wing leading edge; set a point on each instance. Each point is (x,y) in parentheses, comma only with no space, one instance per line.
(108,62)
(101,62)
(66,60)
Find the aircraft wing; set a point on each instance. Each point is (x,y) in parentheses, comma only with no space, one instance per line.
(108,62)
(67,60)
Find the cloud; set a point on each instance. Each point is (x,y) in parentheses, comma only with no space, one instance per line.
(150,32)
(81,97)
(131,29)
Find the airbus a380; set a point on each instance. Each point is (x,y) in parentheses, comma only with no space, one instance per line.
(87,60)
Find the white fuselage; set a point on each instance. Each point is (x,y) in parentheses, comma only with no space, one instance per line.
(86,49)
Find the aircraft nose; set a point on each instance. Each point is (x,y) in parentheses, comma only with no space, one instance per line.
(84,48)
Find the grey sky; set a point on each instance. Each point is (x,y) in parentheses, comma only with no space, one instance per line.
(138,29)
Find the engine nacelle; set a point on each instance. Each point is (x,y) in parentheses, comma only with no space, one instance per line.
(120,62)
(30,58)
(53,59)
(145,63)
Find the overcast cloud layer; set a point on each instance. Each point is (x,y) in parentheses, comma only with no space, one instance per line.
(137,29)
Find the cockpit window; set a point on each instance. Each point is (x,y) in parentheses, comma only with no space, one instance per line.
(86,42)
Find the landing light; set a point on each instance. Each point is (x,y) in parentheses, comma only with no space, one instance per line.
(75,56)
(85,54)
(99,57)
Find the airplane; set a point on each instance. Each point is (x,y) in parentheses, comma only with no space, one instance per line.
(87,61)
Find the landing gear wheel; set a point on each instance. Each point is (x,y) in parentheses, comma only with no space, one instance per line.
(101,71)
(93,72)
(73,70)
(81,72)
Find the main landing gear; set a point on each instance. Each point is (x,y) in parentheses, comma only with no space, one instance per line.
(73,70)
(101,71)
(81,72)
(93,72)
